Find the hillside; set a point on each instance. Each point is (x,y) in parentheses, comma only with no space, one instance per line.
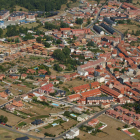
(41,5)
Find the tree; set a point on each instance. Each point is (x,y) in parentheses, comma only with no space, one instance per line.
(1,32)
(116,69)
(38,39)
(57,67)
(64,25)
(58,41)
(118,128)
(88,21)
(66,113)
(5,119)
(126,126)
(46,44)
(79,21)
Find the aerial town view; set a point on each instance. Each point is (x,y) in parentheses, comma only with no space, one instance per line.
(70,69)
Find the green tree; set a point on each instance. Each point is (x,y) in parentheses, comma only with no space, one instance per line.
(58,41)
(79,21)
(38,39)
(1,32)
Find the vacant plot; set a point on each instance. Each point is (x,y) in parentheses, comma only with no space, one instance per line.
(12,119)
(110,132)
(2,101)
(111,129)
(73,83)
(123,28)
(70,123)
(56,130)
(18,8)
(30,25)
(135,131)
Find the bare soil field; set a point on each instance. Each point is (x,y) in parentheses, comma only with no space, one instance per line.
(56,130)
(12,119)
(2,101)
(67,125)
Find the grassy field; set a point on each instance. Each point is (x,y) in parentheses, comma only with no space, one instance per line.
(135,131)
(18,8)
(30,25)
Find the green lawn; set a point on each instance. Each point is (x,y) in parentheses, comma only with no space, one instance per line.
(135,131)
(22,124)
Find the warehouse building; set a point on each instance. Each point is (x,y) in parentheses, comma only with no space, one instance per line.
(98,30)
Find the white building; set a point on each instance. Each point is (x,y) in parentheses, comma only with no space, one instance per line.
(82,117)
(100,79)
(74,132)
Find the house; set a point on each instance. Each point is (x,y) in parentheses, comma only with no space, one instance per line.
(3,95)
(98,100)
(73,97)
(31,71)
(93,122)
(105,105)
(110,92)
(17,104)
(37,122)
(8,92)
(61,93)
(74,132)
(23,76)
(100,79)
(65,119)
(13,70)
(47,89)
(14,76)
(62,66)
(82,117)
(42,98)
(10,108)
(2,76)
(23,138)
(92,64)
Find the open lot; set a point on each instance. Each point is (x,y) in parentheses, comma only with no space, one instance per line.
(8,135)
(70,123)
(2,101)
(73,83)
(12,119)
(30,25)
(56,130)
(123,28)
(111,131)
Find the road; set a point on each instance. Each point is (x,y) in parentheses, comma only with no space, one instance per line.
(60,136)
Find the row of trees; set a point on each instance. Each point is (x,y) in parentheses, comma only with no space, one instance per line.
(51,26)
